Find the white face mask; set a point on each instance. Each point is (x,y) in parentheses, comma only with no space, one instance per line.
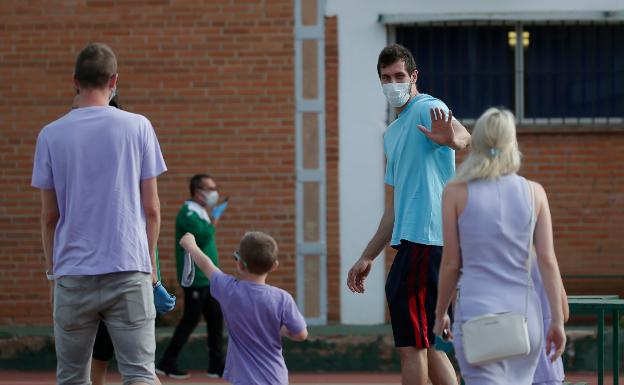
(211,198)
(397,93)
(112,94)
(114,90)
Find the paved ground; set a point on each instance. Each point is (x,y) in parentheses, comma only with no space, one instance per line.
(198,378)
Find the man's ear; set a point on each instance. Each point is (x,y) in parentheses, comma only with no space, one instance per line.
(112,82)
(414,76)
(76,85)
(274,267)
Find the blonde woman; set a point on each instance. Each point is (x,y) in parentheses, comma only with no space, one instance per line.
(486,217)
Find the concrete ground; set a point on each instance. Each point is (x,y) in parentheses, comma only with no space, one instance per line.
(33,357)
(8,377)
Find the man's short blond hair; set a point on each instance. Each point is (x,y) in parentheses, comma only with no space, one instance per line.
(95,65)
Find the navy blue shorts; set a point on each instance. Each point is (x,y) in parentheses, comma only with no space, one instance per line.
(411,292)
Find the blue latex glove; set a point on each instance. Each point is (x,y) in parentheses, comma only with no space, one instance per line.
(444,345)
(218,210)
(163,301)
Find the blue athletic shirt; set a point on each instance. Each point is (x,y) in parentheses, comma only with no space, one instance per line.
(418,169)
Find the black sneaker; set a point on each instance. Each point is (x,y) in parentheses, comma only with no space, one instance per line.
(215,373)
(172,372)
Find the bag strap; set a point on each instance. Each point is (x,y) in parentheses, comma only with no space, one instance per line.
(529,248)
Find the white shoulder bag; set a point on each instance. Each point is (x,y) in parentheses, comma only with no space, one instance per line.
(495,337)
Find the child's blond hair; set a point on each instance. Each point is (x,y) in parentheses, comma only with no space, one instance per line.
(258,250)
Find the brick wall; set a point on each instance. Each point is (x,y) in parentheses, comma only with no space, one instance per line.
(581,170)
(215,78)
(217,81)
(332,158)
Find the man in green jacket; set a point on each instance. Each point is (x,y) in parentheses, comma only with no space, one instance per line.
(194,218)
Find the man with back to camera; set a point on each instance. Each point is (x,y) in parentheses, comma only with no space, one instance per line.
(419,147)
(96,168)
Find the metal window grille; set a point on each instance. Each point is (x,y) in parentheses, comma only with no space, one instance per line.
(566,72)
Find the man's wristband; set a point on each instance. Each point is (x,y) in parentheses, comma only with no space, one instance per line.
(49,276)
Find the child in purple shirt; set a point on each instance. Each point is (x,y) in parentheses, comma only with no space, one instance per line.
(257,315)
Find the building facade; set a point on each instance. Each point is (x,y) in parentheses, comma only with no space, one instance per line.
(280,101)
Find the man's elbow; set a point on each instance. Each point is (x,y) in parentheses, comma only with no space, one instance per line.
(301,336)
(451,268)
(50,218)
(152,211)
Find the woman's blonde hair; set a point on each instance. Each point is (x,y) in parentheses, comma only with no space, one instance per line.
(494,148)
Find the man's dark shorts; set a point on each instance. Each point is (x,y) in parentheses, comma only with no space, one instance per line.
(411,292)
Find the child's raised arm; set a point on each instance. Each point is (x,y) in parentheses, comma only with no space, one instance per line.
(201,260)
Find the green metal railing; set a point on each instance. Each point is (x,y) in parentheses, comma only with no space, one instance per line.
(601,306)
(593,276)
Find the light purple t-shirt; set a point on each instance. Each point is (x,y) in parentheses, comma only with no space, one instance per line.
(94,158)
(254,314)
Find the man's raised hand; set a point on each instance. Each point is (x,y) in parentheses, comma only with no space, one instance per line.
(441,127)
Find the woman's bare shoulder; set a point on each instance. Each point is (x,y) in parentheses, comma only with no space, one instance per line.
(456,189)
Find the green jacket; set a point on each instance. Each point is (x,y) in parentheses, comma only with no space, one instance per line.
(157,264)
(193,218)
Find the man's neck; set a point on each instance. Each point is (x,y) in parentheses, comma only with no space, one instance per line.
(93,98)
(255,278)
(199,203)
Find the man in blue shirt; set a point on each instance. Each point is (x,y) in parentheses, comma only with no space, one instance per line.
(419,147)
